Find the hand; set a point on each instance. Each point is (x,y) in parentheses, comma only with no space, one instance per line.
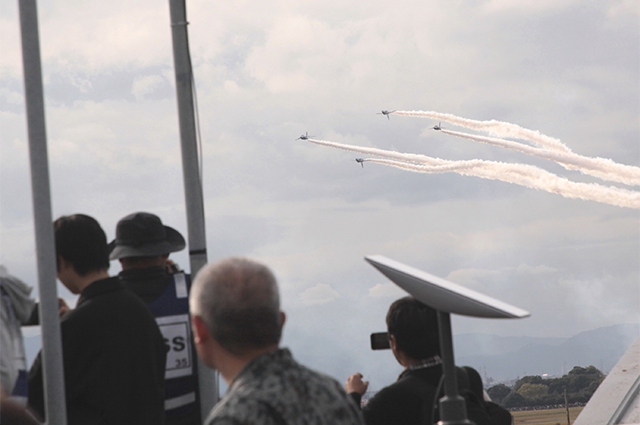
(170,267)
(62,307)
(355,384)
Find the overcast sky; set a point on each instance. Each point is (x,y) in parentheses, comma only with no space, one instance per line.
(267,72)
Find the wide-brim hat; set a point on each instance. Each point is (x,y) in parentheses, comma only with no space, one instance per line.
(142,234)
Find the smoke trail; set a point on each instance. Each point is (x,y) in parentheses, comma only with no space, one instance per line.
(410,157)
(521,174)
(529,176)
(497,128)
(605,169)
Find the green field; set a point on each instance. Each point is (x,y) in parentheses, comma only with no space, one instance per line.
(546,417)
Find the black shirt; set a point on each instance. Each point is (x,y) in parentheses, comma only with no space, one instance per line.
(114,360)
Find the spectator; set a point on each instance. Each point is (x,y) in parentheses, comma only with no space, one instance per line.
(16,309)
(143,245)
(237,322)
(413,337)
(483,412)
(113,352)
(413,398)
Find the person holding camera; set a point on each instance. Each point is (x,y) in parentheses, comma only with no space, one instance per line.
(413,338)
(413,399)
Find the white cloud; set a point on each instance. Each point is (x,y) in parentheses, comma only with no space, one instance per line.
(298,48)
(541,269)
(623,10)
(516,6)
(319,294)
(12,97)
(143,86)
(386,290)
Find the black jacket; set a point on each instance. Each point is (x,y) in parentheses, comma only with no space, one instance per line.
(406,401)
(412,398)
(114,360)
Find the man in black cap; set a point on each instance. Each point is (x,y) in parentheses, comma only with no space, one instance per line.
(143,245)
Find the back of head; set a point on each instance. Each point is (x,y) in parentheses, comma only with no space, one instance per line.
(415,328)
(238,300)
(81,241)
(475,382)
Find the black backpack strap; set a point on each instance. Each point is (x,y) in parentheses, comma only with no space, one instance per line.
(464,390)
(435,412)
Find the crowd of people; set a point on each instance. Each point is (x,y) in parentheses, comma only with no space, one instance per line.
(129,345)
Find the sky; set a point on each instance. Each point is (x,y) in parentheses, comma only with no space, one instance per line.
(267,72)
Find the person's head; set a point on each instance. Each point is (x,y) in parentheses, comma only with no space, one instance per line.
(413,328)
(238,302)
(143,241)
(81,242)
(475,383)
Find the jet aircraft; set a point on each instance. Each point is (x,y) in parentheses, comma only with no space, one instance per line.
(360,161)
(305,136)
(387,113)
(438,126)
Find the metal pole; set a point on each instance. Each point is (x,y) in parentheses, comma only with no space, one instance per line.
(53,373)
(452,407)
(207,379)
(566,406)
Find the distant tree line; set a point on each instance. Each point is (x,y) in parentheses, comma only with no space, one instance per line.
(533,391)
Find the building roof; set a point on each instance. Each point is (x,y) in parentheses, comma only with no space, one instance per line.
(617,400)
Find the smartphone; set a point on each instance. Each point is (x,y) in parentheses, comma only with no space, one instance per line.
(380,341)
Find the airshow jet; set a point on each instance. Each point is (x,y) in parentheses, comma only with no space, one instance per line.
(305,136)
(387,113)
(360,161)
(438,126)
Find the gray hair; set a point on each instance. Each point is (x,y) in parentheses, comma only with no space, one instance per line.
(238,301)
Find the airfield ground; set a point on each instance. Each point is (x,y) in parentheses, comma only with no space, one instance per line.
(546,417)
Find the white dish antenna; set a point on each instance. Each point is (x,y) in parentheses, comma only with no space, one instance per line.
(443,295)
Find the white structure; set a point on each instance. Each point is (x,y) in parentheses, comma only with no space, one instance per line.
(443,295)
(617,400)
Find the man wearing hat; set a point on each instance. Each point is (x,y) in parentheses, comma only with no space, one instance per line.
(143,245)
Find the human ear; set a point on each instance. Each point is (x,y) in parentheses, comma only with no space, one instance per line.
(200,331)
(392,342)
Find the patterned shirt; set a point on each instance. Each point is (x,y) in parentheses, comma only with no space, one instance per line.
(428,362)
(274,389)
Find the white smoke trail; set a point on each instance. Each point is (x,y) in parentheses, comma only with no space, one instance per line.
(530,176)
(524,175)
(496,128)
(605,169)
(410,157)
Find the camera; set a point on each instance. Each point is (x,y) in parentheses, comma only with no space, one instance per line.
(380,341)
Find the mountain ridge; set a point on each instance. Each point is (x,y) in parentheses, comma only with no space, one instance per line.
(601,347)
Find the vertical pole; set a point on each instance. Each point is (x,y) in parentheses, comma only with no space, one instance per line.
(53,373)
(452,407)
(208,380)
(566,406)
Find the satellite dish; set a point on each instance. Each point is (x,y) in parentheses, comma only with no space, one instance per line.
(443,295)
